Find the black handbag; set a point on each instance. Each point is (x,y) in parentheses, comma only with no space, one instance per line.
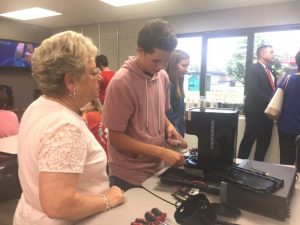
(195,210)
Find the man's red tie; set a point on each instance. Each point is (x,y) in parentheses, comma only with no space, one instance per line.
(270,78)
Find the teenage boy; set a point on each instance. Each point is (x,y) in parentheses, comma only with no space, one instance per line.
(134,110)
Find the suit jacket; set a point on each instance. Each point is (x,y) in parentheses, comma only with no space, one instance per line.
(258,89)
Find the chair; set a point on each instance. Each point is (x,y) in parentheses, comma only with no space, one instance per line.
(9,181)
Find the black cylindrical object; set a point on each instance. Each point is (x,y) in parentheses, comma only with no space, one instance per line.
(297,160)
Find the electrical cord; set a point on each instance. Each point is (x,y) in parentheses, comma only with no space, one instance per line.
(158,196)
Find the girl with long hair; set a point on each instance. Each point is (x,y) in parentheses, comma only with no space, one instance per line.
(176,68)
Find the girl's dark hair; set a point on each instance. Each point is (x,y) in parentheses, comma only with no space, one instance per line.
(3,100)
(101,60)
(172,70)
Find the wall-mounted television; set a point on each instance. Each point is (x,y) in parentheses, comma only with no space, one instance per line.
(16,54)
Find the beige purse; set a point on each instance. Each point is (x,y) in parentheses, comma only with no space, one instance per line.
(273,109)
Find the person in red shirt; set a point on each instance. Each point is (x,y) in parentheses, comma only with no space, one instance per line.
(92,113)
(106,75)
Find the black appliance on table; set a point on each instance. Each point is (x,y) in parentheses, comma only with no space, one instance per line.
(216,130)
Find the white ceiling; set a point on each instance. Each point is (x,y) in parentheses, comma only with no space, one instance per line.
(79,12)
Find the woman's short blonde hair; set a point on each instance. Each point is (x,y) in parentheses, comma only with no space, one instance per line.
(62,53)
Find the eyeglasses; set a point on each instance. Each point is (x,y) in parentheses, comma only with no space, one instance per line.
(95,72)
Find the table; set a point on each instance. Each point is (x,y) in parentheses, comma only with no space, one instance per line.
(138,201)
(163,191)
(9,144)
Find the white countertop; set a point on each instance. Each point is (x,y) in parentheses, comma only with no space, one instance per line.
(9,144)
(138,201)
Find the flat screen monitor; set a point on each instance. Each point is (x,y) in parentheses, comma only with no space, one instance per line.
(16,54)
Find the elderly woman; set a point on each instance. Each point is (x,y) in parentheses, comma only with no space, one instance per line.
(62,167)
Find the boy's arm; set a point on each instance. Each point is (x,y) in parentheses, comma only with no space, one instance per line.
(173,137)
(123,142)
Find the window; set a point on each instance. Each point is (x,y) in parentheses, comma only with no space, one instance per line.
(224,55)
(285,45)
(226,62)
(193,47)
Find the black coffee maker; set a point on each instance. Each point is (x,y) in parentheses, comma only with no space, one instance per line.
(216,130)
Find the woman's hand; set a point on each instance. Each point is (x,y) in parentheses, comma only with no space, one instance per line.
(60,199)
(115,196)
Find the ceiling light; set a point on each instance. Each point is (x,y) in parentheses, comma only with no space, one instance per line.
(29,14)
(118,3)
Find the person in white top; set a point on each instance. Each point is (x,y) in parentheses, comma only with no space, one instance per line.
(62,167)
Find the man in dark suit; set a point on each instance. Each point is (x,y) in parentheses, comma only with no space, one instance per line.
(260,81)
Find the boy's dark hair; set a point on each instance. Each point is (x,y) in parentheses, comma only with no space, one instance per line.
(3,99)
(101,60)
(159,34)
(261,48)
(297,58)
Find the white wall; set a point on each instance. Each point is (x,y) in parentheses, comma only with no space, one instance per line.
(117,40)
(256,16)
(22,32)
(21,81)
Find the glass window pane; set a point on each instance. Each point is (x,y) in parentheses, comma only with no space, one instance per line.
(193,47)
(226,60)
(285,45)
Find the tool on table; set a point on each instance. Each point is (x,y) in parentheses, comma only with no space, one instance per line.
(141,221)
(163,216)
(153,217)
(156,220)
